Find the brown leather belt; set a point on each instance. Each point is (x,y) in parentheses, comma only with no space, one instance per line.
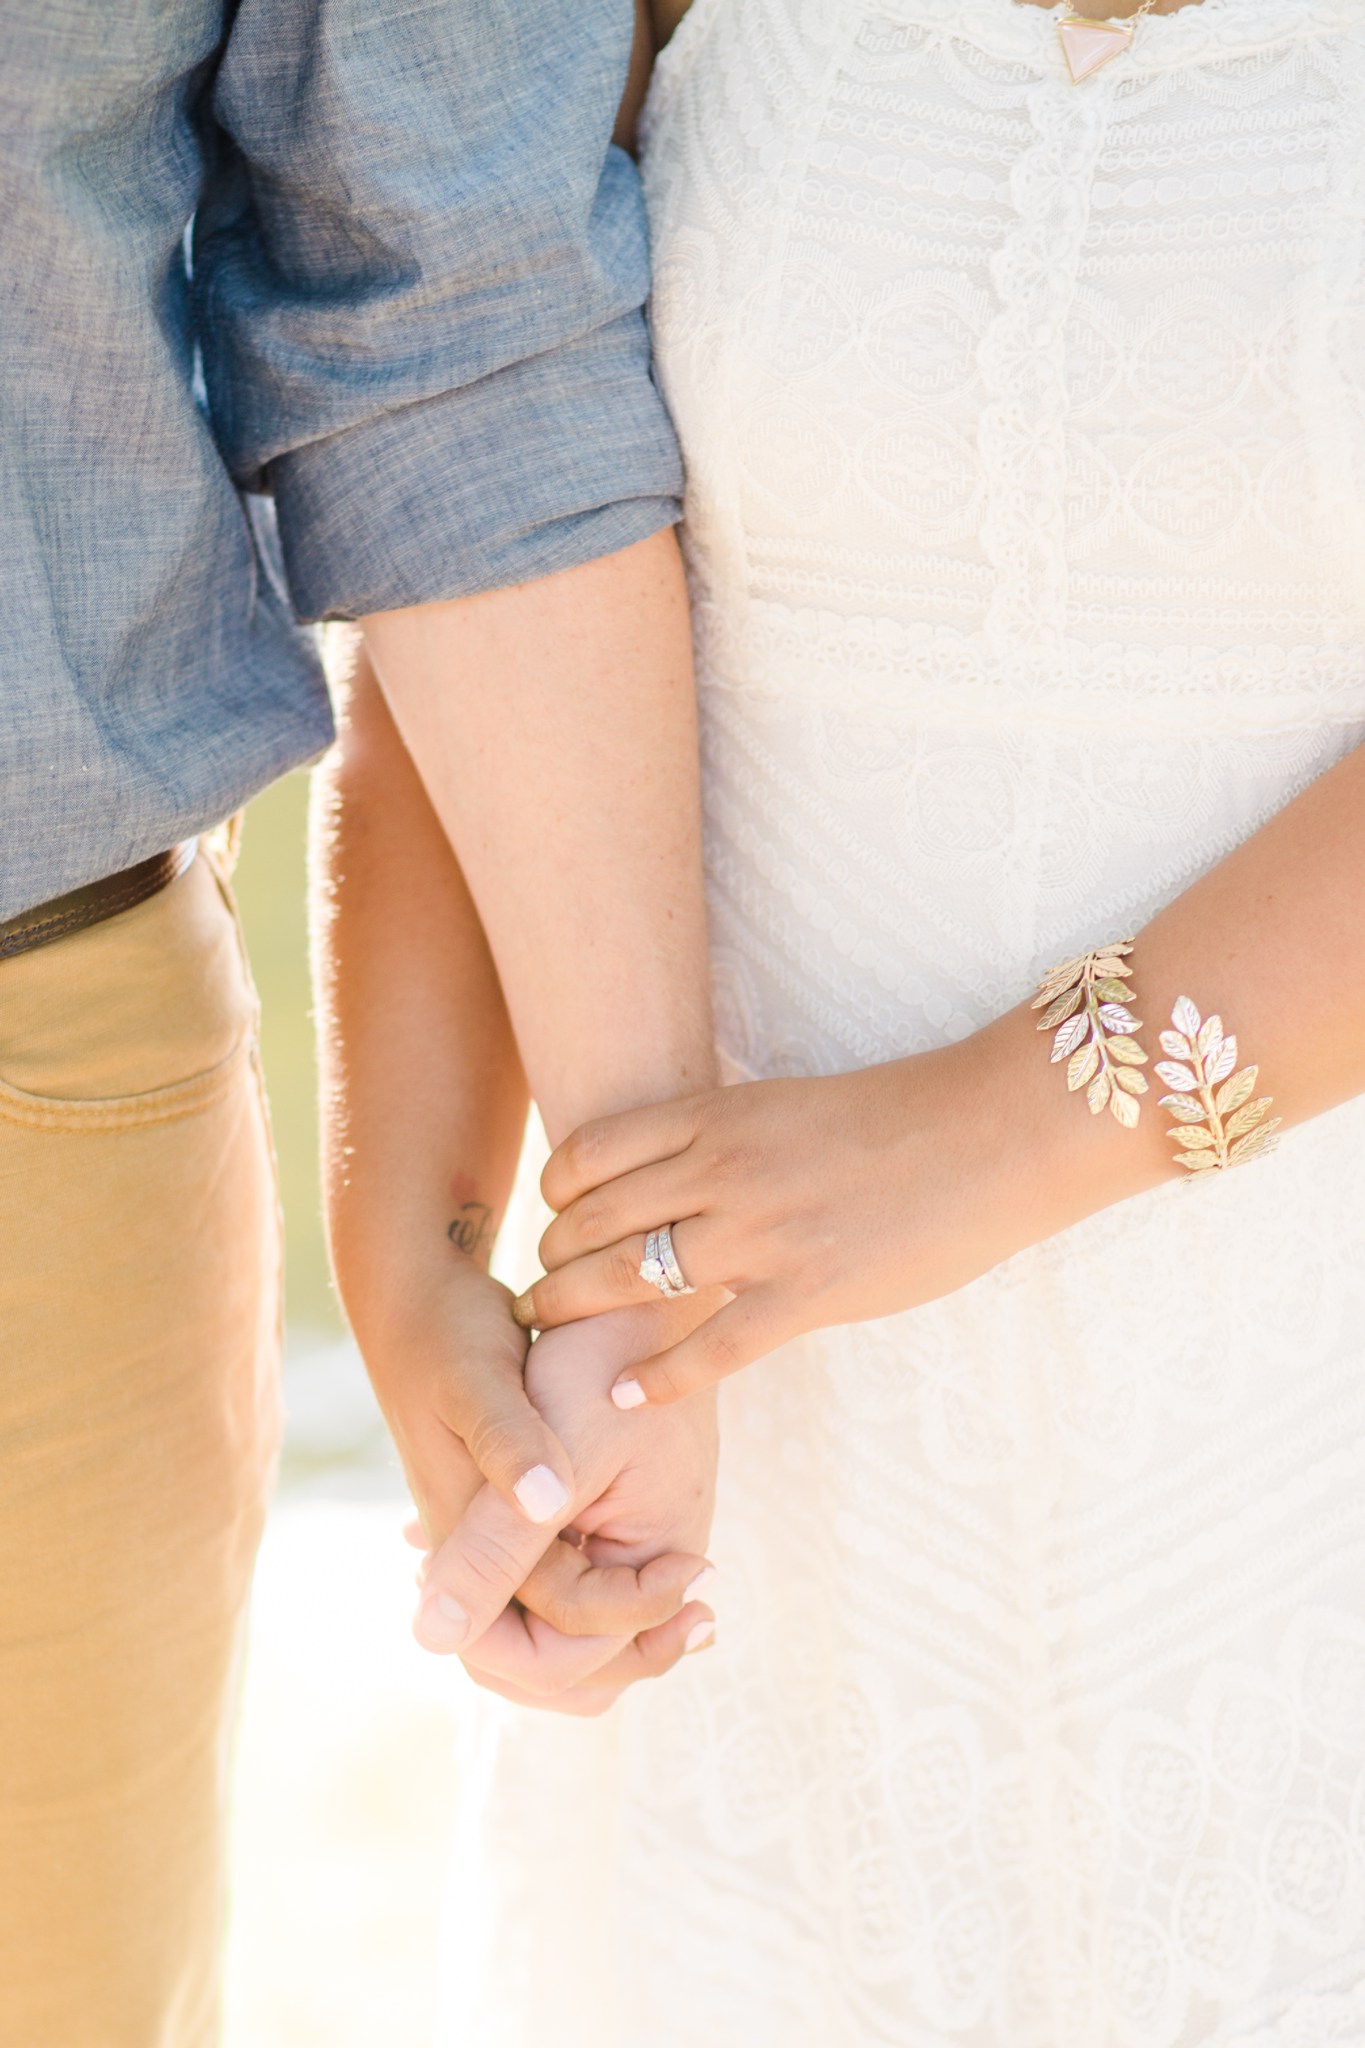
(94,902)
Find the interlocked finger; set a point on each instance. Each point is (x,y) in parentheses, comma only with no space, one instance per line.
(489,1554)
(579,1598)
(650,1655)
(522,1650)
(486,1406)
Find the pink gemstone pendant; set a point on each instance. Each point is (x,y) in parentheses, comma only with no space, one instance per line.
(1089,45)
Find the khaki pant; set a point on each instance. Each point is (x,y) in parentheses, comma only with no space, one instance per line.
(139,1341)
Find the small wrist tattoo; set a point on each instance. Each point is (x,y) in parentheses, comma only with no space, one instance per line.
(471,1230)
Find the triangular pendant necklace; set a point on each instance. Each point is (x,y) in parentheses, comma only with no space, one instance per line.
(1088,46)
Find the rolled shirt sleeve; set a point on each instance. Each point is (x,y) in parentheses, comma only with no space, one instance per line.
(420,268)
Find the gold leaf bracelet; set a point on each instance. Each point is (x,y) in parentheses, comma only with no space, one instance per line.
(1216,1122)
(1085,1001)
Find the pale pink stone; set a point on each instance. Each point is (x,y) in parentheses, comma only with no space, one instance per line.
(1089,45)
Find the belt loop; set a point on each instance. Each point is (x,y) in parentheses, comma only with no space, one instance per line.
(224,842)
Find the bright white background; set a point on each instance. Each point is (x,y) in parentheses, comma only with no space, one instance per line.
(344,1780)
(344,1775)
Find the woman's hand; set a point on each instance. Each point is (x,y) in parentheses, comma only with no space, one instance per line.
(618,1603)
(828,1201)
(822,1201)
(810,1201)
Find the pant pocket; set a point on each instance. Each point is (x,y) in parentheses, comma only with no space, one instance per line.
(139,1422)
(144,1017)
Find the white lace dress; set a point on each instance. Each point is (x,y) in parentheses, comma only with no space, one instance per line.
(1026,435)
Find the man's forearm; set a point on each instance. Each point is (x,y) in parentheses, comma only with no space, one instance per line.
(554,726)
(594,874)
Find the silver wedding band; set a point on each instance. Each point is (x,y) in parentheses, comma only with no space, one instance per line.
(660,1267)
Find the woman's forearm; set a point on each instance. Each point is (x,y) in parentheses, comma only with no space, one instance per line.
(424,1102)
(1272,939)
(830,1200)
(554,727)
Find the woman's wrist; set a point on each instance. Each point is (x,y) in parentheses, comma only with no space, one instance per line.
(1053,1162)
(1192,1091)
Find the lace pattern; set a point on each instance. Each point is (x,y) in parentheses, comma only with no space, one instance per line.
(1026,440)
(1060,387)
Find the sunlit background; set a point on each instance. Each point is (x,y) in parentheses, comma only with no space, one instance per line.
(344,1772)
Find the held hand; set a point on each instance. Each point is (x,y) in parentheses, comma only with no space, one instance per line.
(620,1604)
(447,1363)
(811,1202)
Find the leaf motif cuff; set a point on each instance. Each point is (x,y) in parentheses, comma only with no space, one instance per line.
(1086,1002)
(1215,1121)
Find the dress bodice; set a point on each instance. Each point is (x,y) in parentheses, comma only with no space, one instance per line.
(1014,397)
(1025,432)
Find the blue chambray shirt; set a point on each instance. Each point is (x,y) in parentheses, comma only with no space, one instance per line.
(413,286)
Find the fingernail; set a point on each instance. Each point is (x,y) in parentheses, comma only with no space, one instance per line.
(441,1623)
(705,1577)
(542,1495)
(699,1636)
(629,1394)
(524,1310)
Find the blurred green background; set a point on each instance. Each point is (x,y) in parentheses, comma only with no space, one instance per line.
(271,891)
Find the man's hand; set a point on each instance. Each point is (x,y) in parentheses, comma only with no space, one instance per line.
(446,1361)
(622,1603)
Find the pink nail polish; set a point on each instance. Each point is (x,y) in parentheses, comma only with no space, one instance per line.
(698,1636)
(628,1394)
(541,1495)
(441,1623)
(705,1577)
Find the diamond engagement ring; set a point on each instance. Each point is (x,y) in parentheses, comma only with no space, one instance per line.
(660,1267)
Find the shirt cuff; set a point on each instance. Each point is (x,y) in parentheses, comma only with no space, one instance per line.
(542,466)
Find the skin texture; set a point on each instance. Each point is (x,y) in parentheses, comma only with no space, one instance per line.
(420,1068)
(554,730)
(501,806)
(488,748)
(831,1200)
